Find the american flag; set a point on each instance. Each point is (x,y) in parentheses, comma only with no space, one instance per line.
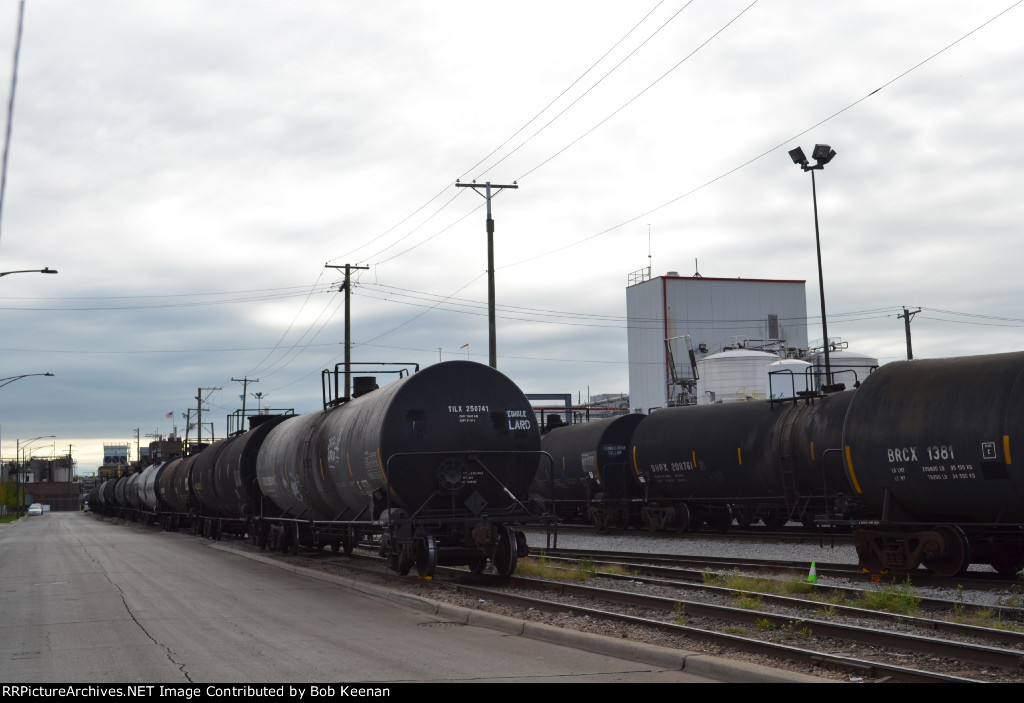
(169,415)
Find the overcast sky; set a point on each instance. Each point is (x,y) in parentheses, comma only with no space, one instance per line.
(189,168)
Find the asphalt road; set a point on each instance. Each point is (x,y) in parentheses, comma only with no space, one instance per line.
(84,601)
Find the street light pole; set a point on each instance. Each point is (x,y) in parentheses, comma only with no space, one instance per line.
(18,449)
(822,154)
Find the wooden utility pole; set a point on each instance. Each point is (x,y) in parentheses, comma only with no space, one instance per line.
(245,381)
(199,415)
(492,336)
(346,288)
(907,316)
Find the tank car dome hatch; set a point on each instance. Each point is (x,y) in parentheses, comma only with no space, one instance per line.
(361,385)
(787,378)
(848,368)
(730,376)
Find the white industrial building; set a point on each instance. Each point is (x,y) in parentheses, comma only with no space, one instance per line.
(675,323)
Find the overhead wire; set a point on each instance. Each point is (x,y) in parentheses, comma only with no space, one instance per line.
(505,142)
(764,153)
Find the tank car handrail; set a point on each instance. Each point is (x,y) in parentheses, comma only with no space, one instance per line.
(336,397)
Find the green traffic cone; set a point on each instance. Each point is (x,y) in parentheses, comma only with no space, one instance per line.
(813,576)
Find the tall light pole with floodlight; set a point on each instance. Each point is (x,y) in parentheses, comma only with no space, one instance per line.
(822,154)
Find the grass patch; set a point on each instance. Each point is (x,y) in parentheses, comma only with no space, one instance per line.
(984,616)
(680,613)
(758,584)
(1015,599)
(793,630)
(830,602)
(748,601)
(897,598)
(542,567)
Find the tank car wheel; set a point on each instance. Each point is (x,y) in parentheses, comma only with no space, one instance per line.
(348,542)
(426,557)
(293,540)
(956,553)
(476,566)
(506,553)
(683,520)
(400,563)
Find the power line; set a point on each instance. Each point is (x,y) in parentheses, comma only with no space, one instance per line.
(506,141)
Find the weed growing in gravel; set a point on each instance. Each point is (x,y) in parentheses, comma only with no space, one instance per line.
(794,587)
(748,601)
(680,612)
(542,567)
(959,603)
(895,598)
(736,581)
(793,630)
(764,625)
(1014,600)
(734,630)
(586,569)
(981,617)
(830,600)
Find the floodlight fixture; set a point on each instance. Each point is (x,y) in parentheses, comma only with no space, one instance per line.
(798,157)
(823,153)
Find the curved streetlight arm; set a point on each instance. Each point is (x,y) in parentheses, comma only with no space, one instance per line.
(42,270)
(12,379)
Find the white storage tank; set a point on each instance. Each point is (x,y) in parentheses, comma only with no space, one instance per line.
(734,375)
(787,377)
(849,368)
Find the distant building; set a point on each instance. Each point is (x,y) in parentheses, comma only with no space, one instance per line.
(675,321)
(115,461)
(160,450)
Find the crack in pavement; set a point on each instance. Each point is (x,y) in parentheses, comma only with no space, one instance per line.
(171,654)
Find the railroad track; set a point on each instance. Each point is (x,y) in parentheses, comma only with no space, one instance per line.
(860,643)
(827,637)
